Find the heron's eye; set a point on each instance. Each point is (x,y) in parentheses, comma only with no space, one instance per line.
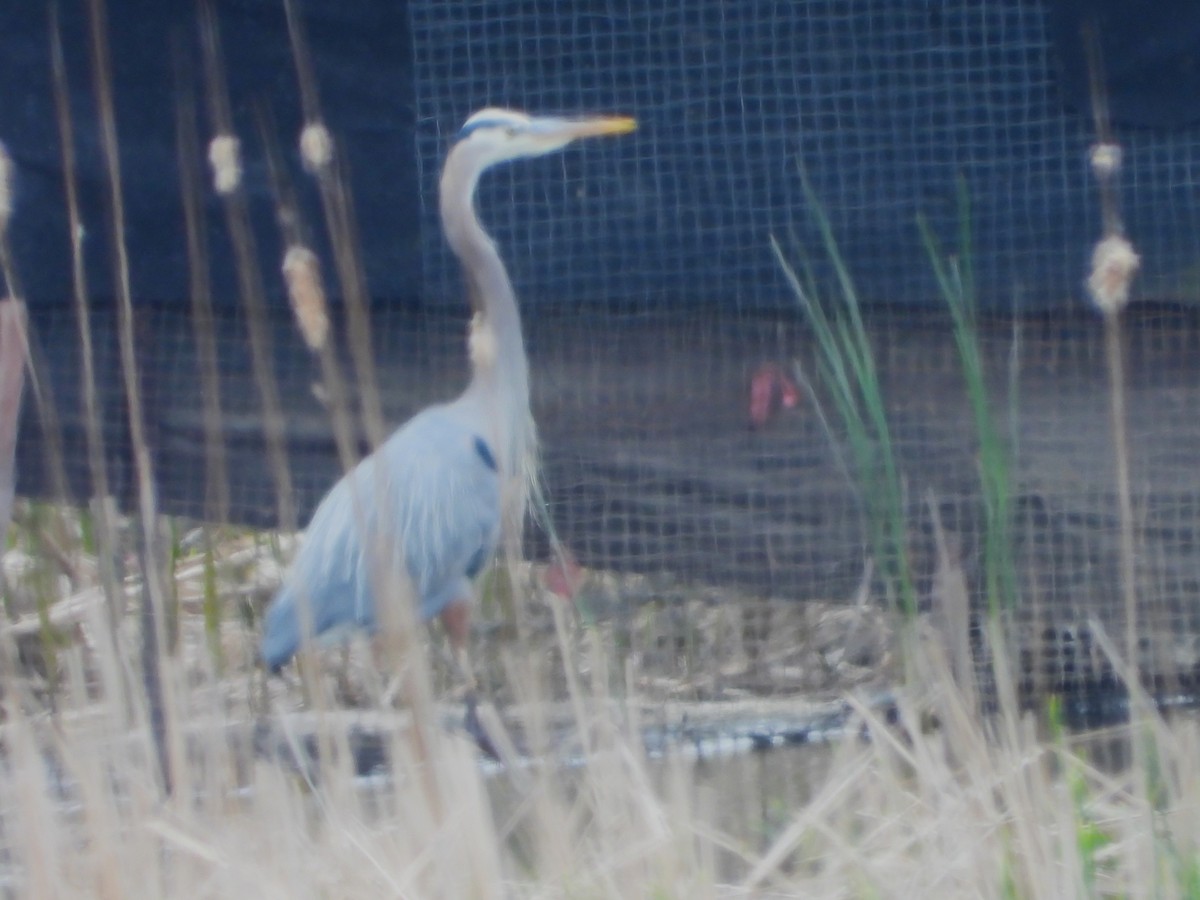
(511,131)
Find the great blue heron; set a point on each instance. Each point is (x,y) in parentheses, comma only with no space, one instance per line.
(436,495)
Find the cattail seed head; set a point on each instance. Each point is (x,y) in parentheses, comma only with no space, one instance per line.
(302,272)
(1106,160)
(225,157)
(316,147)
(6,188)
(1114,263)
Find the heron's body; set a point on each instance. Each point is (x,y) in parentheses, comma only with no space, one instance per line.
(432,502)
(443,536)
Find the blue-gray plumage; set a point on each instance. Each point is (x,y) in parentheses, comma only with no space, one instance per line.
(432,502)
(445,533)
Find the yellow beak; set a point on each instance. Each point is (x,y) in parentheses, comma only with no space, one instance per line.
(591,126)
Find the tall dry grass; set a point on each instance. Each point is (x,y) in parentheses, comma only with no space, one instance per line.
(932,800)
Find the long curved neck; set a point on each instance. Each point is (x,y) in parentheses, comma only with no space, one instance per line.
(500,371)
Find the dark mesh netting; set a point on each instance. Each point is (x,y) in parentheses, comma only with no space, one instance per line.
(885,104)
(650,461)
(653,304)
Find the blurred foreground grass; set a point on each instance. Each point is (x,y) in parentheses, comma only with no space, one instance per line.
(934,802)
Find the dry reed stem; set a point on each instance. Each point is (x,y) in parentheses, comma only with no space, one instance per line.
(343,233)
(13,359)
(8,271)
(93,430)
(339,215)
(30,361)
(64,614)
(200,293)
(6,189)
(911,812)
(398,625)
(950,607)
(250,283)
(293,235)
(153,609)
(1114,264)
(1127,548)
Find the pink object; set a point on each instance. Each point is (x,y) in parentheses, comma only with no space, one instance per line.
(771,389)
(456,622)
(564,576)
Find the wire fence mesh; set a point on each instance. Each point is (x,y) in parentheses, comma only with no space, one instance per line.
(655,309)
(884,104)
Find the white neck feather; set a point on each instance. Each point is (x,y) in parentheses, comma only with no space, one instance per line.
(499,387)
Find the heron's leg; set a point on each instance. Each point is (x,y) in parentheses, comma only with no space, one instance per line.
(456,620)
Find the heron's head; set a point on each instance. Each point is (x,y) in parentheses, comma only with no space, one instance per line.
(499,135)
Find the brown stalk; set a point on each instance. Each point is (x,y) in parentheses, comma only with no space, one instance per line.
(310,307)
(35,364)
(7,176)
(12,385)
(101,509)
(250,283)
(200,290)
(154,592)
(321,159)
(294,238)
(1114,265)
(950,608)
(397,619)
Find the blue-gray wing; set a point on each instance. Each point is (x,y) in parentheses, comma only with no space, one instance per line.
(429,499)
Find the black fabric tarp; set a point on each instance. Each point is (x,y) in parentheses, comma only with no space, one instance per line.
(362,55)
(1150,56)
(885,103)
